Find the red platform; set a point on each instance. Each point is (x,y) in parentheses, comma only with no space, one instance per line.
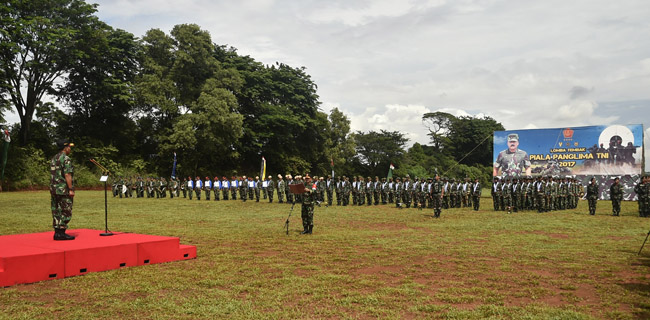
(27,258)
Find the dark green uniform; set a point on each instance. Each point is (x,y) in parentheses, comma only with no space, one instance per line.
(592,196)
(307,214)
(616,195)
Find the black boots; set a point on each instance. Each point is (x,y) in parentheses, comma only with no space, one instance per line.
(307,229)
(59,234)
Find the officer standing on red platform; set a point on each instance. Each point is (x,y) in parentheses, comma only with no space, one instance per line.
(62,190)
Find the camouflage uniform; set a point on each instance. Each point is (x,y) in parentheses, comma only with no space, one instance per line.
(639,189)
(307,212)
(281,187)
(616,195)
(225,188)
(437,193)
(207,188)
(330,188)
(60,199)
(347,188)
(271,188)
(592,196)
(476,195)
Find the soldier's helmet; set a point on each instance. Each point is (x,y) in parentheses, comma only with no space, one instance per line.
(270,177)
(289,176)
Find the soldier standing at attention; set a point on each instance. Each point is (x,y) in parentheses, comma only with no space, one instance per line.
(190,186)
(398,192)
(207,188)
(476,194)
(639,189)
(270,188)
(308,200)
(437,193)
(258,186)
(330,187)
(243,189)
(225,187)
(62,190)
(281,187)
(216,187)
(251,188)
(347,188)
(198,187)
(287,190)
(234,184)
(339,191)
(616,195)
(592,195)
(646,198)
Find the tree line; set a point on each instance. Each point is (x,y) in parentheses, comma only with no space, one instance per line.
(131,103)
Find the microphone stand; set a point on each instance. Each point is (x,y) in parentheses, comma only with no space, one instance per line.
(104,178)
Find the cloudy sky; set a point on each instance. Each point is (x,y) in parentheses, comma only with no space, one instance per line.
(527,64)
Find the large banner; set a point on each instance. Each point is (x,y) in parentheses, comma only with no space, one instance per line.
(602,152)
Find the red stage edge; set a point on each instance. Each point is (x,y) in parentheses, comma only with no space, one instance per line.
(28,258)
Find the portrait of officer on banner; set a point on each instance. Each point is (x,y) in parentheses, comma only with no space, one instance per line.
(512,161)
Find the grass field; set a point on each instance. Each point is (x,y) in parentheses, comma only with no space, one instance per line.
(360,263)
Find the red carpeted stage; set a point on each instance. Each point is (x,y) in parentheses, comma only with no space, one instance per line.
(27,258)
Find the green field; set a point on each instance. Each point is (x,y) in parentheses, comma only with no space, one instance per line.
(360,263)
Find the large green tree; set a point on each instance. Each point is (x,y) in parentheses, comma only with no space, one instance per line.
(187,102)
(99,92)
(38,44)
(281,117)
(377,150)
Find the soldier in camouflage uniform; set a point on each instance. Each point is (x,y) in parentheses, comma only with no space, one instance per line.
(592,195)
(190,186)
(415,190)
(216,187)
(287,189)
(347,188)
(646,198)
(476,194)
(407,185)
(446,195)
(270,188)
(384,191)
(399,187)
(639,189)
(539,191)
(616,195)
(376,190)
(258,186)
(225,187)
(308,199)
(62,190)
(330,187)
(234,183)
(198,186)
(163,187)
(437,193)
(391,190)
(251,187)
(281,187)
(243,188)
(369,191)
(339,190)
(354,190)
